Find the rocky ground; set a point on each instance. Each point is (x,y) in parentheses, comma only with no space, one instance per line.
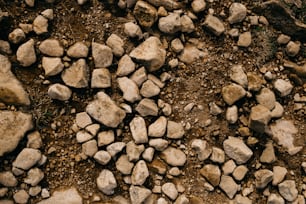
(155,101)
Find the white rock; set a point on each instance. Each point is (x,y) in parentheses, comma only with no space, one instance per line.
(64,196)
(174,157)
(132,30)
(83,119)
(78,50)
(236,149)
(229,186)
(147,107)
(198,5)
(266,98)
(34,176)
(106,182)
(175,130)
(237,13)
(52,65)
(282,87)
(238,75)
(8,179)
(59,92)
(139,130)
(134,151)
(169,189)
(293,48)
(158,128)
(106,138)
(27,158)
(51,47)
(101,78)
(140,173)
(149,89)
(125,66)
(202,149)
(159,144)
(232,114)
(262,178)
(16,36)
(102,55)
(129,88)
(90,148)
(139,76)
(21,196)
(288,190)
(170,24)
(26,55)
(116,44)
(124,165)
(102,157)
(114,148)
(214,24)
(139,194)
(40,25)
(77,75)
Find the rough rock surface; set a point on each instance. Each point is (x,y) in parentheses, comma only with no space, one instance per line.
(237,150)
(70,195)
(106,182)
(76,75)
(26,55)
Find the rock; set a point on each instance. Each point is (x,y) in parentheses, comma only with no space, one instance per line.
(26,55)
(34,140)
(78,50)
(124,165)
(45,193)
(279,174)
(239,199)
(48,13)
(298,70)
(190,54)
(245,39)
(81,2)
(70,195)
(52,65)
(139,130)
(21,196)
(140,173)
(159,167)
(102,55)
(139,76)
(5,48)
(232,114)
(129,88)
(40,25)
(158,128)
(104,110)
(59,92)
(283,88)
(134,151)
(167,4)
(283,39)
(214,24)
(236,149)
(147,107)
(125,66)
(8,179)
(217,155)
(16,36)
(283,132)
(198,5)
(90,148)
(77,75)
(159,144)
(116,44)
(83,136)
(232,93)
(30,3)
(114,148)
(262,178)
(106,182)
(278,111)
(268,155)
(238,75)
(106,138)
(177,45)
(173,156)
(228,185)
(240,172)
(9,134)
(139,194)
(132,30)
(93,129)
(275,199)
(82,119)
(34,191)
(228,167)
(169,189)
(149,89)
(148,154)
(170,24)
(181,199)
(101,78)
(259,118)
(151,53)
(266,98)
(34,176)
(288,190)
(51,47)
(212,173)
(202,149)
(27,158)
(237,12)
(145,14)
(102,157)
(175,130)
(27,28)
(255,81)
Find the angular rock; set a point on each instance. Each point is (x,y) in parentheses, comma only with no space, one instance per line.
(134,151)
(288,190)
(124,165)
(125,66)
(34,176)
(177,45)
(159,144)
(139,76)
(52,65)
(262,178)
(140,173)
(293,48)
(116,44)
(34,140)
(173,156)
(83,136)
(106,182)
(228,167)
(232,93)
(170,24)
(26,55)
(90,148)
(237,12)
(106,138)
(82,119)
(78,50)
(268,155)
(245,39)
(277,111)
(158,128)
(275,199)
(266,98)
(114,148)
(232,114)
(147,107)
(282,87)
(169,189)
(40,25)
(238,75)
(190,54)
(236,149)
(212,173)
(198,5)
(102,55)
(51,47)
(101,78)
(59,92)
(145,13)
(229,186)
(139,130)
(175,130)
(27,158)
(240,172)
(217,155)
(214,24)
(279,174)
(167,4)
(202,149)
(255,81)
(8,179)
(48,13)
(102,157)
(77,75)
(149,89)
(132,30)
(21,196)
(283,39)
(16,36)
(129,88)
(259,118)
(139,194)
(187,25)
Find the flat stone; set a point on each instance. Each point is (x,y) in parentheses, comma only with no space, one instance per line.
(104,110)
(149,89)
(262,178)
(125,66)
(8,179)
(202,149)
(140,173)
(78,50)
(237,12)
(170,24)
(90,148)
(212,173)
(288,190)
(159,144)
(259,118)
(132,30)
(51,47)
(106,137)
(27,158)
(214,24)
(240,172)
(102,55)
(229,186)
(52,65)
(124,165)
(139,130)
(238,75)
(26,55)
(59,92)
(173,156)
(232,93)
(77,75)
(147,107)
(279,173)
(268,154)
(34,176)
(40,25)
(236,149)
(139,194)
(145,13)
(129,88)
(158,128)
(266,97)
(102,157)
(245,39)
(175,130)
(283,88)
(169,189)
(134,151)
(106,182)
(101,78)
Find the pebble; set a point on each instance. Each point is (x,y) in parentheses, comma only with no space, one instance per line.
(262,178)
(198,5)
(27,158)
(34,191)
(52,65)
(21,196)
(190,54)
(106,137)
(239,199)
(175,130)
(288,190)
(48,13)
(167,4)
(214,109)
(125,66)
(129,88)
(229,186)
(158,128)
(114,148)
(202,149)
(170,24)
(40,25)
(268,154)
(148,154)
(116,44)
(214,24)
(147,107)
(16,36)
(236,149)
(46,194)
(240,172)
(26,55)
(101,78)
(5,47)
(102,157)
(139,194)
(27,28)
(232,93)
(187,25)
(283,39)
(81,2)
(124,165)
(169,189)
(177,45)
(138,130)
(234,33)
(134,151)
(238,75)
(188,108)
(232,114)
(106,182)
(266,97)
(8,179)
(30,3)
(59,92)
(132,30)
(145,13)
(279,174)
(283,88)
(174,157)
(149,89)
(77,75)
(237,13)
(293,48)
(93,129)
(78,50)
(255,81)
(51,47)
(102,55)
(83,119)
(217,155)
(228,167)
(245,39)
(139,76)
(161,201)
(254,20)
(90,148)
(275,199)
(34,176)
(259,118)
(140,173)
(212,173)
(159,144)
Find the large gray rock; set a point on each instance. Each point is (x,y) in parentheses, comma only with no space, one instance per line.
(26,55)
(102,55)
(77,75)
(145,13)
(70,195)
(13,126)
(105,110)
(236,149)
(106,182)
(27,158)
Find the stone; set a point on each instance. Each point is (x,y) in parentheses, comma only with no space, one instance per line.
(26,55)
(134,151)
(59,92)
(175,130)
(8,179)
(105,110)
(277,111)
(81,2)
(283,88)
(232,93)
(83,119)
(145,13)
(238,75)
(132,30)
(30,3)
(106,138)
(93,129)
(283,39)
(259,118)
(254,20)
(177,45)
(255,81)
(279,173)
(45,193)
(212,173)
(64,196)
(288,190)
(34,191)
(147,107)
(159,144)
(106,182)
(262,178)
(148,154)
(214,24)
(169,189)
(21,196)
(202,149)
(90,148)
(101,78)
(239,199)
(190,54)
(124,165)
(214,109)
(78,50)
(170,24)
(34,176)
(150,53)
(217,155)
(9,134)
(16,36)
(116,44)
(167,4)
(268,154)
(52,66)
(232,114)
(266,98)
(158,128)
(139,130)
(77,75)
(102,157)
(102,55)
(234,33)
(174,156)
(293,48)
(27,158)
(125,66)
(228,167)
(138,194)
(51,47)
(48,13)
(156,81)
(27,28)
(149,89)
(229,186)
(40,25)
(182,199)
(275,199)
(240,172)
(237,13)
(5,47)
(129,88)
(83,136)
(236,149)
(114,148)
(139,76)
(34,140)
(245,39)
(198,5)
(140,173)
